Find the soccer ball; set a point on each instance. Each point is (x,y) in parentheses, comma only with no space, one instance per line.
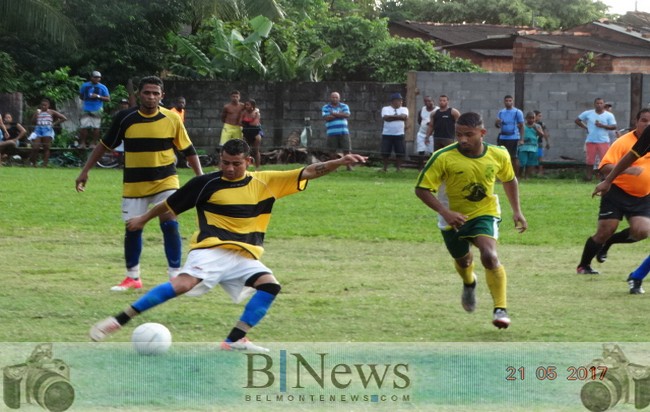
(151,339)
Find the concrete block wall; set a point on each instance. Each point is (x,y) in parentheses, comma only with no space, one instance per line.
(561,97)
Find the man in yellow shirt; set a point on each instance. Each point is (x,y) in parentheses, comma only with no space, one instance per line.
(469,169)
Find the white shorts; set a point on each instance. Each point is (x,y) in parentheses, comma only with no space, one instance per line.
(132,207)
(420,146)
(88,121)
(217,266)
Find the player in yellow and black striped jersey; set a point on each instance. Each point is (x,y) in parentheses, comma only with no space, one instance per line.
(234,208)
(150,134)
(470,168)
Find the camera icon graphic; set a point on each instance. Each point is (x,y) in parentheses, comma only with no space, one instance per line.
(41,379)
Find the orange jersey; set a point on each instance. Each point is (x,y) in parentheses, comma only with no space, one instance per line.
(635,185)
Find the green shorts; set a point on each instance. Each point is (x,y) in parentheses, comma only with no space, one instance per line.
(458,241)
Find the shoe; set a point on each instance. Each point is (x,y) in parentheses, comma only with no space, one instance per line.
(586,270)
(468,298)
(601,256)
(127,283)
(635,286)
(500,319)
(173,272)
(242,344)
(100,330)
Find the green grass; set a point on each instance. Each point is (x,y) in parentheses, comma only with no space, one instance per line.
(359,257)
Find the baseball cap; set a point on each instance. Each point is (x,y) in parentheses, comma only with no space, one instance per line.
(395,96)
(124,101)
(610,104)
(96,74)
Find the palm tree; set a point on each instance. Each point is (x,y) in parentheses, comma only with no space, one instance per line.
(37,17)
(230,10)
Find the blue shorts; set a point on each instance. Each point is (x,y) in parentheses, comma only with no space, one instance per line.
(44,131)
(528,158)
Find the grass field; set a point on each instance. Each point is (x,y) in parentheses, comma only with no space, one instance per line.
(358,255)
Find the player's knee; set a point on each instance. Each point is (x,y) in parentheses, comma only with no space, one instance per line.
(271,288)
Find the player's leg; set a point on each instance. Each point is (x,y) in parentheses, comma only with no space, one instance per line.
(459,249)
(46,143)
(496,279)
(172,243)
(605,229)
(36,147)
(180,285)
(636,277)
(132,245)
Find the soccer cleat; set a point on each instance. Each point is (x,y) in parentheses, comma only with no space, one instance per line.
(586,270)
(500,318)
(173,272)
(100,330)
(468,298)
(242,344)
(601,256)
(127,283)
(635,286)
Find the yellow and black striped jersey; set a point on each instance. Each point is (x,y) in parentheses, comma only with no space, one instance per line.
(149,142)
(234,214)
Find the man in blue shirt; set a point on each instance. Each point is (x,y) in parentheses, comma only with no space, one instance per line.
(511,122)
(93,94)
(598,122)
(336,114)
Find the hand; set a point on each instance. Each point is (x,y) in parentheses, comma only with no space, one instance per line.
(602,188)
(135,223)
(350,159)
(80,183)
(548,146)
(454,219)
(520,222)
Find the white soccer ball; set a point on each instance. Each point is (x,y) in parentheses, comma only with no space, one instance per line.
(151,339)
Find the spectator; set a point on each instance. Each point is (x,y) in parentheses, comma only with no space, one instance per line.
(473,213)
(93,94)
(150,134)
(527,151)
(14,134)
(628,197)
(598,122)
(541,145)
(251,128)
(511,122)
(179,107)
(123,105)
(336,114)
(45,119)
(443,124)
(424,139)
(230,116)
(392,137)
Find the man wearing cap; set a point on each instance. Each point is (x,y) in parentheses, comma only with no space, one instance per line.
(392,136)
(93,94)
(613,134)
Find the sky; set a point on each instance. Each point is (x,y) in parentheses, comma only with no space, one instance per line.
(622,6)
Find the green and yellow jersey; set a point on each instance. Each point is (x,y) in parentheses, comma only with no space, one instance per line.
(469,180)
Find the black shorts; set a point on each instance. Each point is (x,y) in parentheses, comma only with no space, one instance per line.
(250,133)
(511,145)
(390,143)
(617,204)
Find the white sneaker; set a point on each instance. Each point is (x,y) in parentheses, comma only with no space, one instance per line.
(243,344)
(173,272)
(100,330)
(500,319)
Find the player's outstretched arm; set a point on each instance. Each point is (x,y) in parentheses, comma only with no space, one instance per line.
(317,170)
(82,179)
(138,222)
(512,193)
(604,186)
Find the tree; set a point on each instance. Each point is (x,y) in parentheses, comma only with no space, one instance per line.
(199,11)
(36,18)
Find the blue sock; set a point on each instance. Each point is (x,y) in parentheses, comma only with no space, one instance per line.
(257,307)
(155,296)
(173,244)
(642,271)
(132,248)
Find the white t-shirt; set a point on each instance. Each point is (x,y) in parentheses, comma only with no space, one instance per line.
(396,127)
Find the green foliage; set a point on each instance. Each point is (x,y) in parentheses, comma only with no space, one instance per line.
(9,81)
(585,63)
(57,85)
(392,59)
(37,19)
(548,14)
(199,11)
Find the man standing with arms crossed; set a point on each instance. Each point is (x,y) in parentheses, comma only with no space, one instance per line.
(598,122)
(442,127)
(93,94)
(511,122)
(469,169)
(150,134)
(424,140)
(336,114)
